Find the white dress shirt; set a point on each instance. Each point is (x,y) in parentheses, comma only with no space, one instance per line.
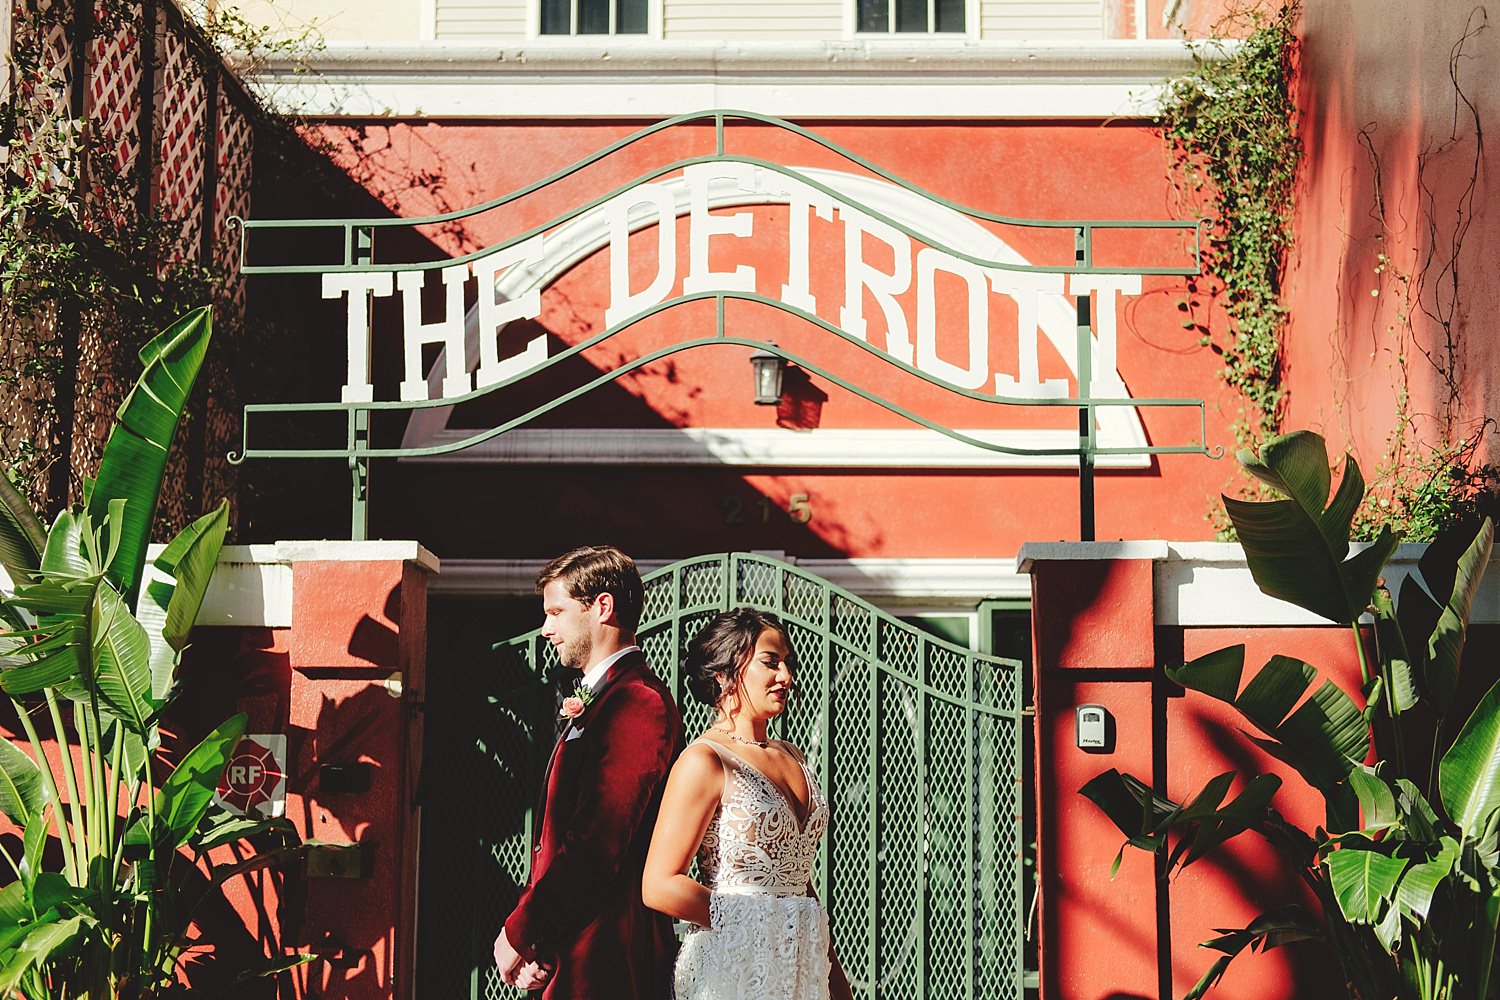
(595,674)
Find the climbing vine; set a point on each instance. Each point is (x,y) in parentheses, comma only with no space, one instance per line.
(1231,129)
(1430,475)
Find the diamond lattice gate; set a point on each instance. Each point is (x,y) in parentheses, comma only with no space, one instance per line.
(917,741)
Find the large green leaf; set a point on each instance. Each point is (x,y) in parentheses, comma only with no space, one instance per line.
(1271,929)
(22,791)
(63,553)
(43,940)
(135,457)
(1201,824)
(1395,660)
(1469,773)
(1445,644)
(1421,881)
(173,593)
(1324,739)
(1377,802)
(122,662)
(1364,882)
(22,536)
(1297,548)
(189,790)
(59,653)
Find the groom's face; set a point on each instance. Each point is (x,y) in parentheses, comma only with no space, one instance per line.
(569,625)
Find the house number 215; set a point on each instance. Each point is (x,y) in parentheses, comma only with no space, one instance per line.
(736,511)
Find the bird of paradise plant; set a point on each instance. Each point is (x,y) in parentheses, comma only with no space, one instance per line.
(90,640)
(1406,870)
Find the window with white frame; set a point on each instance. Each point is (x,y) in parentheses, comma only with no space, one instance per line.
(594,17)
(922,17)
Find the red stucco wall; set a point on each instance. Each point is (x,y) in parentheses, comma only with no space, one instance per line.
(1036,169)
(1393,167)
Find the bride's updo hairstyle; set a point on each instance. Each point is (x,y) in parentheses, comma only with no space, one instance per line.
(718,653)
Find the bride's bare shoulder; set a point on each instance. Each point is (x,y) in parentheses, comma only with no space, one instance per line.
(699,764)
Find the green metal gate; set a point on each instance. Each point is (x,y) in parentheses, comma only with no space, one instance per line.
(917,741)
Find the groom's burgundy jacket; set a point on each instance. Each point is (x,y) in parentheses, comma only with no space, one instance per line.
(582,905)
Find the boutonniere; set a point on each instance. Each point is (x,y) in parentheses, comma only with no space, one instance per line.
(574,704)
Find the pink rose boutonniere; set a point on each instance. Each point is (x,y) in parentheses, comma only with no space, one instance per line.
(575,703)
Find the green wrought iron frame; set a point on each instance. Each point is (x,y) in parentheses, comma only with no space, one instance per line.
(359,251)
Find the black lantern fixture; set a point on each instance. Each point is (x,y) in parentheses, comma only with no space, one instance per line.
(769,369)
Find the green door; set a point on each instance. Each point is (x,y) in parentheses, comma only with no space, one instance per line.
(916,740)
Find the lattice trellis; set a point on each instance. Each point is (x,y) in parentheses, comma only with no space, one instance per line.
(115,101)
(181,117)
(917,741)
(124,52)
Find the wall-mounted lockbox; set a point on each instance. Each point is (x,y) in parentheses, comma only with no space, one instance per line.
(1094,728)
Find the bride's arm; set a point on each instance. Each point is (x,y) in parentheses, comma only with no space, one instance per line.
(693,790)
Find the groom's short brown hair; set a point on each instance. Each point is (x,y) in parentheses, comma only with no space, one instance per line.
(592,570)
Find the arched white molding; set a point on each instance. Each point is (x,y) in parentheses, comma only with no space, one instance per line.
(1119,426)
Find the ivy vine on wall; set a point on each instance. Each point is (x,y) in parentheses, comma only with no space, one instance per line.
(1231,128)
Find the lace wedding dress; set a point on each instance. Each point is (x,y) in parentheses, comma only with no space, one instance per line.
(769,939)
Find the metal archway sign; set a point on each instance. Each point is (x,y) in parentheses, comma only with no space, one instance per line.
(510,276)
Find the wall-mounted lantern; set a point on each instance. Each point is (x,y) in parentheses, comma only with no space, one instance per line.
(769,369)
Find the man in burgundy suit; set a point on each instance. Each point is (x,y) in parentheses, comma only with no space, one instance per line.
(580,929)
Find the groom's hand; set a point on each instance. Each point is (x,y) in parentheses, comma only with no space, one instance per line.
(533,976)
(507,959)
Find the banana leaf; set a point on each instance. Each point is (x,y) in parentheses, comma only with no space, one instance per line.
(1364,882)
(63,556)
(21,790)
(1420,883)
(1298,548)
(174,590)
(1469,773)
(1454,582)
(135,456)
(42,941)
(1271,929)
(1324,739)
(22,536)
(1396,662)
(122,663)
(187,793)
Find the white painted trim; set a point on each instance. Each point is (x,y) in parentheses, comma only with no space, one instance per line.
(1034,552)
(932,584)
(252,585)
(368,551)
(773,447)
(645,77)
(1208,584)
(427,20)
(1119,426)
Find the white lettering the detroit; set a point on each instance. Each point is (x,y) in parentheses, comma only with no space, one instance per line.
(518,273)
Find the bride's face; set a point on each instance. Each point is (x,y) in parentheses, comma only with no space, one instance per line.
(765,683)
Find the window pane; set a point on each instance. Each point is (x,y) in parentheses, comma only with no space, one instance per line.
(874,15)
(555,17)
(593,17)
(911,15)
(950,15)
(630,17)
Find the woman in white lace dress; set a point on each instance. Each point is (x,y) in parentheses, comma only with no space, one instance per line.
(751,811)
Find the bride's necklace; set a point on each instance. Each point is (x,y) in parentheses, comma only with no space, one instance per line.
(763,744)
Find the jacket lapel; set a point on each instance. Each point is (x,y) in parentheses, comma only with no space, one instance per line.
(626,664)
